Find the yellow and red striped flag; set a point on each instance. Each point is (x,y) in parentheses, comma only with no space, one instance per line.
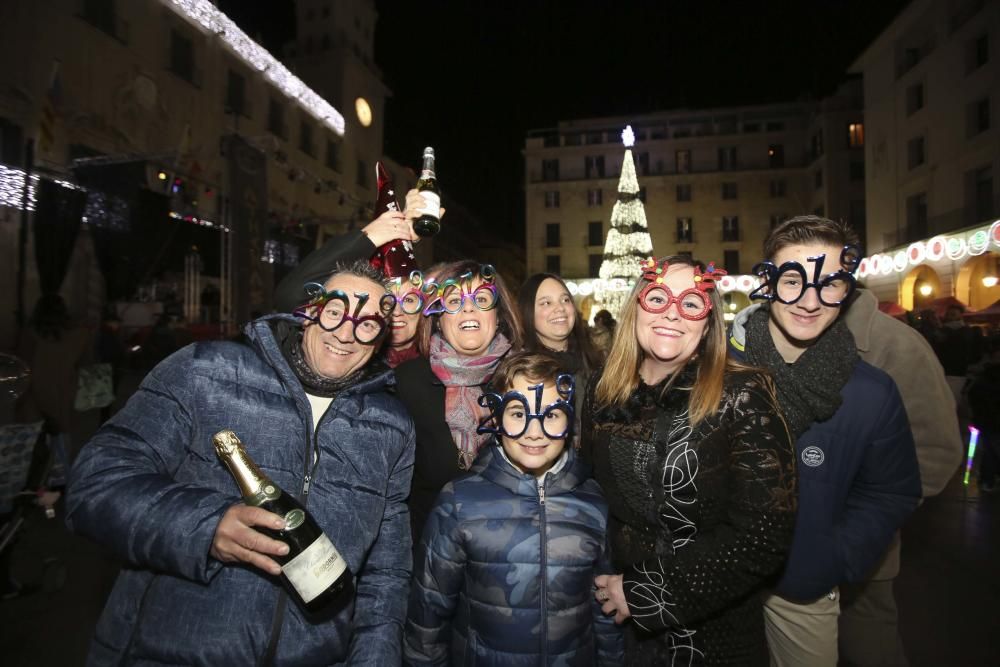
(50,112)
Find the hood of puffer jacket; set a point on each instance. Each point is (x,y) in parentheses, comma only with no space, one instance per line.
(738,328)
(564,478)
(269,332)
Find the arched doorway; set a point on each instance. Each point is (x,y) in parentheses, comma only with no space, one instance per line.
(921,286)
(974,284)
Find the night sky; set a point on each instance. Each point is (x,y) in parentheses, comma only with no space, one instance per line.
(471,77)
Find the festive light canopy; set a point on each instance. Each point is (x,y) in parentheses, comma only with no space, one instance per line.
(208,16)
(950,246)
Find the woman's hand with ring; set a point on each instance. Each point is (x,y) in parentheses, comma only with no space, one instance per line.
(611,596)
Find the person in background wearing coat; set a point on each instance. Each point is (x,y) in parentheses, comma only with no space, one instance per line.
(552,324)
(868,632)
(200,586)
(698,469)
(361,245)
(55,348)
(509,554)
(603,331)
(858,473)
(469,325)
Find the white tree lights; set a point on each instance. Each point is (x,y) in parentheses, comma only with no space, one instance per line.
(628,241)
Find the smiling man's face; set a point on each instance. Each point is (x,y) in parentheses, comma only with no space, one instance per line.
(337,354)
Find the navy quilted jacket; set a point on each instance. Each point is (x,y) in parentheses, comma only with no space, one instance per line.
(150,487)
(488,590)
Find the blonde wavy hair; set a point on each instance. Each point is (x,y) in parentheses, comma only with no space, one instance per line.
(621,370)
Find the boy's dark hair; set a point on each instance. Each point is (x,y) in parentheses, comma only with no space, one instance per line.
(536,366)
(803,229)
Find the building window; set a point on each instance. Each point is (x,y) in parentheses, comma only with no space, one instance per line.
(730,228)
(595,137)
(553,264)
(362,175)
(730,191)
(684,192)
(858,215)
(333,155)
(731,261)
(914,98)
(182,56)
(779,188)
(550,169)
(642,163)
(594,265)
(728,158)
(683,159)
(306,137)
(777,219)
(819,211)
(595,197)
(236,90)
(855,135)
(776,156)
(102,15)
(818,179)
(977,53)
(595,233)
(574,139)
(977,117)
(816,144)
(552,199)
(857,170)
(685,230)
(982,206)
(11,143)
(916,217)
(915,152)
(552,235)
(276,119)
(324,43)
(593,166)
(775,126)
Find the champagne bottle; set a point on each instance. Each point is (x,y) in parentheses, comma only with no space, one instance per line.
(313,568)
(429,223)
(394,259)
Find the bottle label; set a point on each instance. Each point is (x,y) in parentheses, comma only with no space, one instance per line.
(315,569)
(294,519)
(432,203)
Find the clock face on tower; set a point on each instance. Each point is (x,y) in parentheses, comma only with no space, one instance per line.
(364,111)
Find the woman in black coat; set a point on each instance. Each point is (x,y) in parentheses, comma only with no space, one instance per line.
(470,324)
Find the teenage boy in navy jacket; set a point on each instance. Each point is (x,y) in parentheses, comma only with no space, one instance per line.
(858,474)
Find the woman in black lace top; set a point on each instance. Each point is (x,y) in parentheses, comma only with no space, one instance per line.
(698,468)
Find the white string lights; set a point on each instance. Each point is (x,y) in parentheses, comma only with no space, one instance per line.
(205,14)
(950,246)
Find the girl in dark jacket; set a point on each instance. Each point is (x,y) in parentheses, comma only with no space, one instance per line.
(469,325)
(698,468)
(509,553)
(552,324)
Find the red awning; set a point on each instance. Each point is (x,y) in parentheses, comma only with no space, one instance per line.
(892,309)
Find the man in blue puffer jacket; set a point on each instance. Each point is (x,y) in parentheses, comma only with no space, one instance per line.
(508,557)
(199,585)
(858,474)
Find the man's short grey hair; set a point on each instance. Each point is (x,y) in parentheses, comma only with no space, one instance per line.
(360,268)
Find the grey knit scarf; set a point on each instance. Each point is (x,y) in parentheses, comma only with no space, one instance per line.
(809,389)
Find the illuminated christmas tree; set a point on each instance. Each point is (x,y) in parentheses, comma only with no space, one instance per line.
(628,242)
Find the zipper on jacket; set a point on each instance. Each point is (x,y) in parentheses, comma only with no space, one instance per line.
(543,544)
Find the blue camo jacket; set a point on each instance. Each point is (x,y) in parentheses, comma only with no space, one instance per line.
(489,590)
(150,487)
